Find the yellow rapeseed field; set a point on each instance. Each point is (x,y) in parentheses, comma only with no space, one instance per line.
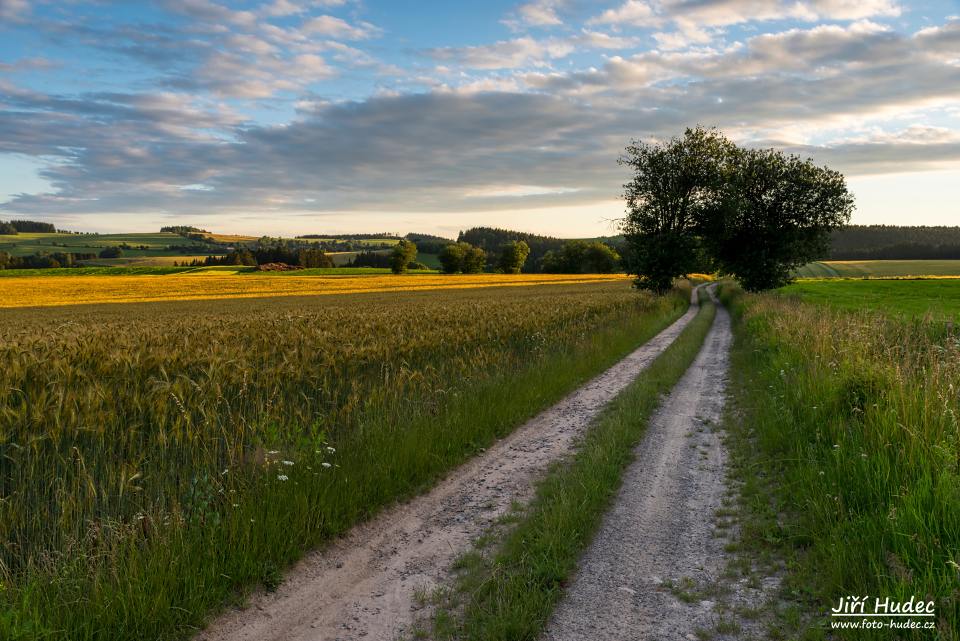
(46,291)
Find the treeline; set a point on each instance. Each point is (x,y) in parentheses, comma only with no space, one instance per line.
(893,242)
(183,229)
(428,243)
(43,261)
(300,256)
(15,227)
(546,254)
(382,235)
(491,239)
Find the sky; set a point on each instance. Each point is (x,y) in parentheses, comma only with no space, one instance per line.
(333,116)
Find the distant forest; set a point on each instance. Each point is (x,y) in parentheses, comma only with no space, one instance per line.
(491,239)
(892,242)
(15,227)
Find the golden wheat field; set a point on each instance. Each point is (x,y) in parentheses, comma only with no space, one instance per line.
(47,291)
(170,455)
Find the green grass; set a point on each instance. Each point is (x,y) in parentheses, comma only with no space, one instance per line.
(430,260)
(143,447)
(509,595)
(845,434)
(95,271)
(32,243)
(879,268)
(939,298)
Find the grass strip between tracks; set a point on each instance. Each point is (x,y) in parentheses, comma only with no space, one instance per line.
(508,587)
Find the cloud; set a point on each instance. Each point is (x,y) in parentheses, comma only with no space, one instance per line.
(506,54)
(528,51)
(694,16)
(28,64)
(495,127)
(233,53)
(634,13)
(13,10)
(540,13)
(333,27)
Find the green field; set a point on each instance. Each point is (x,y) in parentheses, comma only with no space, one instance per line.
(940,298)
(156,244)
(157,250)
(879,268)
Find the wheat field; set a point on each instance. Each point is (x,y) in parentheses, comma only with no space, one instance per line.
(46,291)
(158,458)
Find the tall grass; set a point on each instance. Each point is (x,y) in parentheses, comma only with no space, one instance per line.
(158,460)
(853,417)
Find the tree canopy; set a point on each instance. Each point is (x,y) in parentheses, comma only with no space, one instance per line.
(404,253)
(581,257)
(699,200)
(513,255)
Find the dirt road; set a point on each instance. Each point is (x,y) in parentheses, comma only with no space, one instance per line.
(362,586)
(644,573)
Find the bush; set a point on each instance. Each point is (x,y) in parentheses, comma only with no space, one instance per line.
(111,252)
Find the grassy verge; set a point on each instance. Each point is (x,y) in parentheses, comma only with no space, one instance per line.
(508,594)
(132,511)
(844,437)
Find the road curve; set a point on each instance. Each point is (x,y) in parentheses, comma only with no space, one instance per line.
(362,585)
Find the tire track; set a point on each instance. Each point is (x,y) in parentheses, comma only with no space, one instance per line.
(659,538)
(362,585)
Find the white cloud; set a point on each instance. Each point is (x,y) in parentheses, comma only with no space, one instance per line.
(506,54)
(540,13)
(634,13)
(333,27)
(516,191)
(693,16)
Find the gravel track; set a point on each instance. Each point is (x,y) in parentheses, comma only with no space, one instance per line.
(659,537)
(361,586)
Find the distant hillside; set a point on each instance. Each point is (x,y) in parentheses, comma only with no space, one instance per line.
(892,242)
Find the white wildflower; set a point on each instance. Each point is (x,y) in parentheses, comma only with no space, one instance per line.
(325,464)
(288,463)
(282,477)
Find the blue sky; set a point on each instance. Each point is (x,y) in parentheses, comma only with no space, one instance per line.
(298,116)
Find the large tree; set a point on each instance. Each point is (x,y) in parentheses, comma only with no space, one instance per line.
(777,214)
(404,252)
(513,255)
(675,184)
